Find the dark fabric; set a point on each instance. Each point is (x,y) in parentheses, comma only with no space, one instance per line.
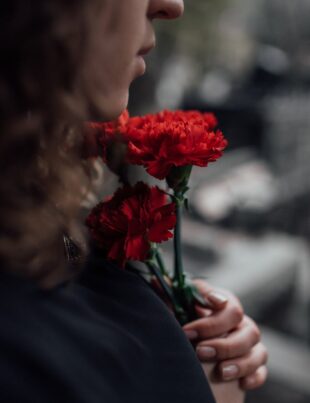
(106,338)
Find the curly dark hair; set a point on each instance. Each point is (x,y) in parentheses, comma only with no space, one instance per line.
(44,99)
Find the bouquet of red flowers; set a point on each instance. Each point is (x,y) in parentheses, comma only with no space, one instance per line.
(130,225)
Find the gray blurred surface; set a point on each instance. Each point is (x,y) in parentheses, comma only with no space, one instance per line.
(270,275)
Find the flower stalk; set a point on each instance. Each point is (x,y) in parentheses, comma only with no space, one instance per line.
(167,144)
(179,276)
(160,262)
(167,290)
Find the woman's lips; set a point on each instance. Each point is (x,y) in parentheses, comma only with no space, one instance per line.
(141,65)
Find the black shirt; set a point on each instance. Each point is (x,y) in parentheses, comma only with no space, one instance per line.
(105,338)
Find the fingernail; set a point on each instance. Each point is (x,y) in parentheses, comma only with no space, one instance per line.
(230,372)
(206,352)
(217,297)
(191,334)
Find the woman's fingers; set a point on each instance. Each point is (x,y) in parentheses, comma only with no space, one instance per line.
(255,380)
(215,298)
(228,337)
(235,344)
(217,323)
(245,366)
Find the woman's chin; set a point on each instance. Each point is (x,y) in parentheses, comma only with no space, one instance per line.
(106,109)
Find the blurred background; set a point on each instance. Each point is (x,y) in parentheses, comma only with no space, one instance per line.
(249,225)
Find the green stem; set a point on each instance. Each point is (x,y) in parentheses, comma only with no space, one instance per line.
(161,263)
(179,276)
(167,290)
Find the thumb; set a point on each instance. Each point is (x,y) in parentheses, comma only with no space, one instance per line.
(216,299)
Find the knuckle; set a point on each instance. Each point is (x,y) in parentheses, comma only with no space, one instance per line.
(256,380)
(250,367)
(213,330)
(256,333)
(225,350)
(252,382)
(237,313)
(230,350)
(207,328)
(261,376)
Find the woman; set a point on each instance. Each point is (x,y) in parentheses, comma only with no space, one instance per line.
(87,337)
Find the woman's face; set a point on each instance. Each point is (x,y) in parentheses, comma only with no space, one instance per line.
(122,34)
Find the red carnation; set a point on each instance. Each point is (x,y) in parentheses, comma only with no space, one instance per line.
(125,225)
(166,140)
(161,142)
(99,135)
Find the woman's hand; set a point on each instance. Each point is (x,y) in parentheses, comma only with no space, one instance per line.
(223,334)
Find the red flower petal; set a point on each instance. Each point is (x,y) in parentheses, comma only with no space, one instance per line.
(125,225)
(173,139)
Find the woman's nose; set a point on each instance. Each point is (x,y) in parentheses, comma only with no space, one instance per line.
(166,9)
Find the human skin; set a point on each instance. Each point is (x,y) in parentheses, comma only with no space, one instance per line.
(123,33)
(234,338)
